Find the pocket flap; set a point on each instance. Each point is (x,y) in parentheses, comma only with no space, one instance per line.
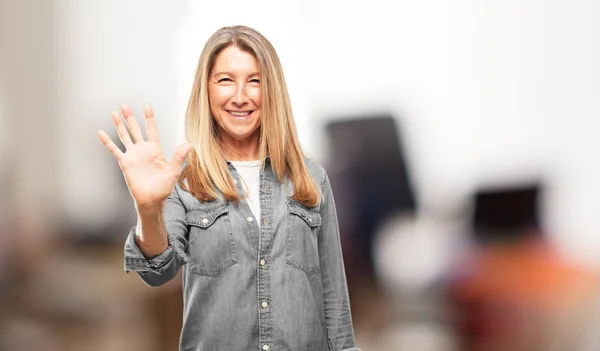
(312,218)
(204,218)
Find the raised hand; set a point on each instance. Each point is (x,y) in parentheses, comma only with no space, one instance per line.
(149,176)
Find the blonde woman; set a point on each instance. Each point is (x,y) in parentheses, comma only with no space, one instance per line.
(251,220)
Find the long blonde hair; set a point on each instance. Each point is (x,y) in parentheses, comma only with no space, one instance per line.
(206,171)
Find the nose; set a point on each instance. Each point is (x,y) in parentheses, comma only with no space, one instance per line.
(240,97)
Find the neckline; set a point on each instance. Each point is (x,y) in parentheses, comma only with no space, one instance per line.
(252,163)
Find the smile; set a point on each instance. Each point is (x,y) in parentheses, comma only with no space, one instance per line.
(240,114)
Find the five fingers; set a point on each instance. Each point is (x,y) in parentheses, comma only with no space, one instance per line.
(135,133)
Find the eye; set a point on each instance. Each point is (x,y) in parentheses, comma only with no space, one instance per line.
(224,79)
(255,80)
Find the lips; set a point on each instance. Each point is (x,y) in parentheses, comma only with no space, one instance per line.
(240,114)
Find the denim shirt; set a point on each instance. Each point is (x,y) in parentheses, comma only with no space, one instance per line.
(277,286)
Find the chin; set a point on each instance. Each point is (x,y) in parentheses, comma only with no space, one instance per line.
(241,133)
(242,136)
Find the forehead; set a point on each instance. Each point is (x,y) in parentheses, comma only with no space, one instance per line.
(234,60)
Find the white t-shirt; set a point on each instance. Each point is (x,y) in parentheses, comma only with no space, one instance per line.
(249,172)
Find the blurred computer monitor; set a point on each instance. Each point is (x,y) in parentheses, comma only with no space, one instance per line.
(371,151)
(506,214)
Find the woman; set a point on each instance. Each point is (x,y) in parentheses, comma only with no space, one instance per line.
(251,220)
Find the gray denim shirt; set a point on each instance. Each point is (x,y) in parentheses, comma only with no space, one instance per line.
(277,286)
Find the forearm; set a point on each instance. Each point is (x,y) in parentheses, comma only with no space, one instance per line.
(151,231)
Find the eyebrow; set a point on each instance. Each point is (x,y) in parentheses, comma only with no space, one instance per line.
(232,74)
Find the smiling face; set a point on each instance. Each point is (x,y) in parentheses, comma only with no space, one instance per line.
(234,96)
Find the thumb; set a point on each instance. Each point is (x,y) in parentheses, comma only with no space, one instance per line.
(180,154)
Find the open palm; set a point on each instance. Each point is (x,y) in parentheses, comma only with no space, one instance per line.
(149,176)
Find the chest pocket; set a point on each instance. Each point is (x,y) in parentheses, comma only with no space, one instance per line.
(302,250)
(210,243)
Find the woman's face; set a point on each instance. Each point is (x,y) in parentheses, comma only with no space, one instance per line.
(234,94)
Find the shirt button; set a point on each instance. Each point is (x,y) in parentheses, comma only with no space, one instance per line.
(265,347)
(262,262)
(235,182)
(204,220)
(310,220)
(250,219)
(264,304)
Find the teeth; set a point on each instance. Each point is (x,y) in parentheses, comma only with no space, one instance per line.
(238,113)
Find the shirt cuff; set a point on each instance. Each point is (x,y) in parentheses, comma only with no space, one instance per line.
(136,261)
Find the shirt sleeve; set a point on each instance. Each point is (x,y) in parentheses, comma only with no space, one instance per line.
(159,270)
(338,320)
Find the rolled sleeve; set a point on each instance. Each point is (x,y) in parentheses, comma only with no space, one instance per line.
(136,261)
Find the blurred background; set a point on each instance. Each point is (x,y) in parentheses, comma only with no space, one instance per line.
(460,137)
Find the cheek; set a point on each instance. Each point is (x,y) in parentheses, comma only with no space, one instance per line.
(218,95)
(255,96)
(213,105)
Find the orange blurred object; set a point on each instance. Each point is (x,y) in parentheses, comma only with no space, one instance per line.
(520,296)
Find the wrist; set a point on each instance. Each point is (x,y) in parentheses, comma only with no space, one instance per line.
(150,209)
